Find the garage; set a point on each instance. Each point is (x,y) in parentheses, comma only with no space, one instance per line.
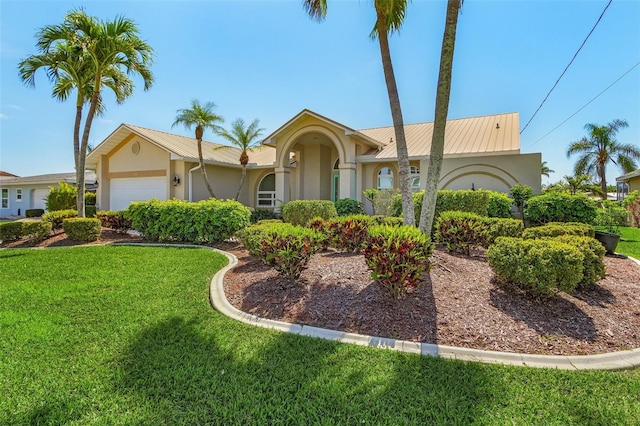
(126,190)
(38,197)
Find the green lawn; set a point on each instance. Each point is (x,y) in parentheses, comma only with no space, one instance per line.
(629,242)
(126,335)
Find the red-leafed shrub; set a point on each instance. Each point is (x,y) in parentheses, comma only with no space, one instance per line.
(118,221)
(348,233)
(288,249)
(460,231)
(398,256)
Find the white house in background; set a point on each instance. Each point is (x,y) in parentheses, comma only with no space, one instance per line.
(309,157)
(18,194)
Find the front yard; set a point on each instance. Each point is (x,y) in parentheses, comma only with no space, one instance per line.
(115,335)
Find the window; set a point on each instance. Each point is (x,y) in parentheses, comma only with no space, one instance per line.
(385,178)
(18,195)
(267,191)
(415,178)
(4,196)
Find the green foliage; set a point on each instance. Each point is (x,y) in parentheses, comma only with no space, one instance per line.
(611,215)
(499,205)
(90,211)
(119,221)
(632,204)
(388,220)
(520,194)
(206,221)
(459,231)
(398,256)
(82,228)
(10,231)
(299,212)
(56,217)
(557,207)
(36,231)
(554,229)
(89,199)
(502,227)
(62,197)
(253,235)
(288,249)
(384,201)
(347,206)
(538,266)
(347,233)
(593,268)
(448,200)
(33,212)
(262,214)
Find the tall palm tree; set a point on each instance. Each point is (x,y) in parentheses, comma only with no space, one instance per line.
(601,147)
(86,55)
(244,137)
(441,110)
(545,170)
(389,18)
(201,117)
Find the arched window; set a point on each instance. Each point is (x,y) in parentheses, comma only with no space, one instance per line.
(385,178)
(267,191)
(415,178)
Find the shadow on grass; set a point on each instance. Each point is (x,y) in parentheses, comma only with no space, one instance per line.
(184,373)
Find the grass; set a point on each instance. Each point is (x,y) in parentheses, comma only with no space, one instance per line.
(126,335)
(629,242)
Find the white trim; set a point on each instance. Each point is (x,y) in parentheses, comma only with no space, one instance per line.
(18,195)
(4,198)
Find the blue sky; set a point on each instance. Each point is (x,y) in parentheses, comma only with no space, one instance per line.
(268,60)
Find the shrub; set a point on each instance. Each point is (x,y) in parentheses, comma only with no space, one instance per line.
(556,207)
(62,197)
(299,212)
(538,266)
(554,229)
(89,199)
(90,211)
(611,216)
(448,200)
(388,220)
(502,227)
(33,212)
(252,236)
(632,204)
(262,214)
(288,249)
(459,231)
(593,268)
(119,221)
(499,205)
(56,217)
(36,231)
(383,201)
(10,231)
(348,233)
(320,226)
(398,256)
(521,194)
(347,206)
(82,228)
(206,221)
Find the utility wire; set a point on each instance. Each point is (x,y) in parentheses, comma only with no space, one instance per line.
(567,67)
(585,105)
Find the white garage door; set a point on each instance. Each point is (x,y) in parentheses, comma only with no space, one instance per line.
(126,190)
(39,195)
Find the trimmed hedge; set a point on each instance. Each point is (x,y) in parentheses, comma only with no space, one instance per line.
(262,214)
(347,207)
(288,249)
(558,207)
(299,212)
(10,231)
(206,221)
(538,266)
(503,227)
(119,221)
(58,216)
(398,257)
(82,228)
(554,229)
(499,205)
(448,200)
(36,231)
(33,212)
(593,268)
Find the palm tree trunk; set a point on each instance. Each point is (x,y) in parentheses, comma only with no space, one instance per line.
(203,169)
(440,122)
(82,152)
(398,124)
(76,146)
(244,175)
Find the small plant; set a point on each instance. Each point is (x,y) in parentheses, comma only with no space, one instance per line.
(262,214)
(348,207)
(459,231)
(117,220)
(56,217)
(610,217)
(82,229)
(10,231)
(299,212)
(288,249)
(397,256)
(62,197)
(520,194)
(252,236)
(348,233)
(36,231)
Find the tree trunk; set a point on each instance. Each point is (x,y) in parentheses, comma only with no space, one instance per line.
(603,180)
(244,175)
(440,122)
(82,152)
(404,171)
(203,169)
(76,151)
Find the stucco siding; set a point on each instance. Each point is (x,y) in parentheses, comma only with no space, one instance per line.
(224,182)
(148,157)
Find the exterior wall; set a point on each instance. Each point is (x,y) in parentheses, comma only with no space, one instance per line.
(17,208)
(224,182)
(634,184)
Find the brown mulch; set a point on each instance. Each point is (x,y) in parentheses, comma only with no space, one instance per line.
(460,303)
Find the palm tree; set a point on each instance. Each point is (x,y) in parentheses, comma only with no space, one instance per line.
(389,18)
(441,110)
(201,117)
(577,183)
(244,137)
(545,170)
(601,147)
(86,55)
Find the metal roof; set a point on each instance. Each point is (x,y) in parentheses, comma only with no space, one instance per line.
(52,178)
(628,176)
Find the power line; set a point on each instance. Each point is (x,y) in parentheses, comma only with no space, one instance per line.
(585,105)
(567,67)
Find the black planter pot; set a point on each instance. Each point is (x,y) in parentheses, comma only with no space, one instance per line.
(608,240)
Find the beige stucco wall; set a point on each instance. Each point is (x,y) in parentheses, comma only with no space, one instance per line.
(224,182)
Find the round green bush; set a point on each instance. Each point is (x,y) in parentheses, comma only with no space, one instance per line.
(299,212)
(347,207)
(82,229)
(557,207)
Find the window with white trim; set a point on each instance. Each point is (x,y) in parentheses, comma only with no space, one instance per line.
(267,191)
(4,197)
(385,178)
(414,176)
(18,195)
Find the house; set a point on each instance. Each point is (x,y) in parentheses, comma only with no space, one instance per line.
(18,194)
(309,157)
(628,183)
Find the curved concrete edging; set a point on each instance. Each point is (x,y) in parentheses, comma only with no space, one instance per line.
(609,361)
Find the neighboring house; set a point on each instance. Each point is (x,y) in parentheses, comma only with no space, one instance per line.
(5,174)
(628,183)
(309,157)
(18,194)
